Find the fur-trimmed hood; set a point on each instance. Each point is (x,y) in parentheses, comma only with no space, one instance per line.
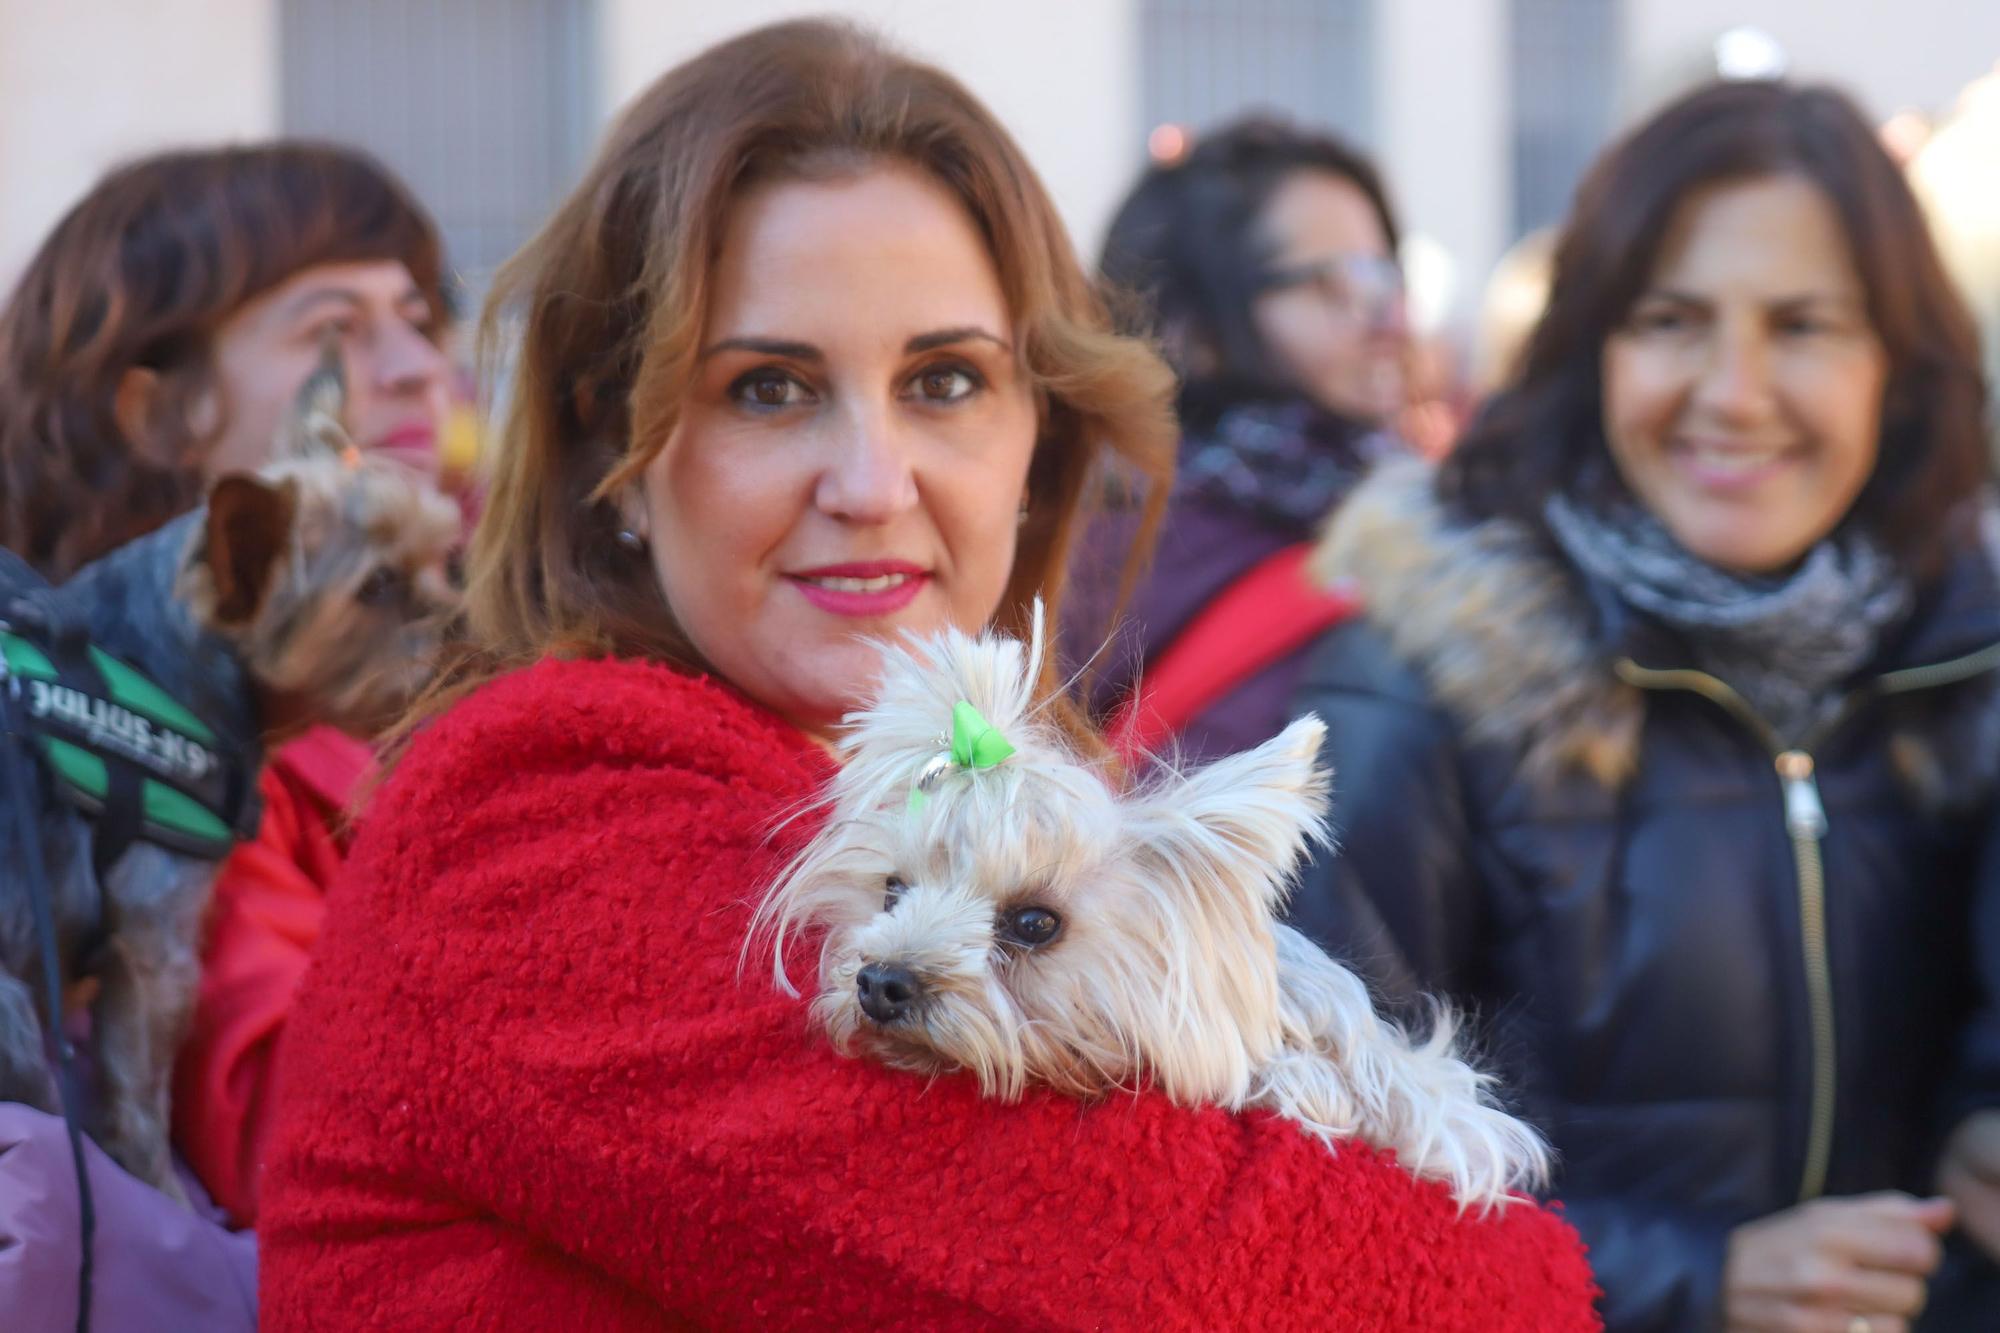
(1496,625)
(1505,636)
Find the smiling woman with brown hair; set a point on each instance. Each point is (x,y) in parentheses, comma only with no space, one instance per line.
(808,362)
(1667,743)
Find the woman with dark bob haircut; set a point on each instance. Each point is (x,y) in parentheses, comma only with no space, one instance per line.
(156,337)
(1667,746)
(1264,263)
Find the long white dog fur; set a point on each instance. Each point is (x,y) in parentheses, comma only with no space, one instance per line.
(1170,967)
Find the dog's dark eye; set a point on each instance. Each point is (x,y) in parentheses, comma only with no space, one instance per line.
(382,587)
(1032,926)
(892,889)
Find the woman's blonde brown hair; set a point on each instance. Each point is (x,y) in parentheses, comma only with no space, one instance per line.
(611,298)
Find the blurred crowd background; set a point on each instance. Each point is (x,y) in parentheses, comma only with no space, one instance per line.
(1482,112)
(1481,116)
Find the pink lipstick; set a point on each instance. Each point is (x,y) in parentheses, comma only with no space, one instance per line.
(413,444)
(861,588)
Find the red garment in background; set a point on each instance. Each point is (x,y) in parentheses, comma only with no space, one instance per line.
(269,901)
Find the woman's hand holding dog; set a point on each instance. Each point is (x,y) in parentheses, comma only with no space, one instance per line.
(1825,1264)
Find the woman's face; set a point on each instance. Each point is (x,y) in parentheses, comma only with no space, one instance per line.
(397,386)
(1332,312)
(853,455)
(1743,396)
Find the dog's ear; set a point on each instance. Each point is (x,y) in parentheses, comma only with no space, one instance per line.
(248,529)
(1250,815)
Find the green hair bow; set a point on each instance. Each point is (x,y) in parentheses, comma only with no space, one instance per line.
(975,744)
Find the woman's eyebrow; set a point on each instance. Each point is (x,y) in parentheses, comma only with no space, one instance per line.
(1820,295)
(924,342)
(308,301)
(796,351)
(1842,299)
(804,351)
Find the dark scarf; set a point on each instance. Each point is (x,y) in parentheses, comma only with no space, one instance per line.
(1283,463)
(1785,642)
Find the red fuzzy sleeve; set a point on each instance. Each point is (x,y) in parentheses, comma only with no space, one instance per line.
(524,1064)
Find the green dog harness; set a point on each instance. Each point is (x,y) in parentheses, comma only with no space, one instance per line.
(123,751)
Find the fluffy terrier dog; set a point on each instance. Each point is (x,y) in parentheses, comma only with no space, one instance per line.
(313,591)
(990,903)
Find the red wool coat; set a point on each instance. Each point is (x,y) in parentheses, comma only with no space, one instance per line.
(525,1086)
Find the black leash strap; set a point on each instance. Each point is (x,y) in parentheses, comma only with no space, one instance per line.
(23,799)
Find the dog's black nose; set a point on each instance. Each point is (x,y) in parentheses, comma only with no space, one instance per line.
(888,991)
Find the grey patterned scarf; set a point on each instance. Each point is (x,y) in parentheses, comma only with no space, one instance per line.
(1284,463)
(1784,642)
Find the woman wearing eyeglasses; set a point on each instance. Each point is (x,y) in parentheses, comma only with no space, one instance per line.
(1264,262)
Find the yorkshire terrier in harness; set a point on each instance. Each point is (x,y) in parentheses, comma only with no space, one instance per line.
(140,698)
(987,901)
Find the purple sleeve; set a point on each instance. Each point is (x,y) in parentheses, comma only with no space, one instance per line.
(158,1264)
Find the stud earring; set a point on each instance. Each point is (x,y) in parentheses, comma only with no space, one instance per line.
(631,540)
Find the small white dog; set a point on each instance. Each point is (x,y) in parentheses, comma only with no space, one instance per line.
(990,903)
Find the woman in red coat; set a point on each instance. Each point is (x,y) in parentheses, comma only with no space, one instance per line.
(807,361)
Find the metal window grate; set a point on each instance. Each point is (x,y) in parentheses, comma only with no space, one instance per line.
(1206,61)
(1564,70)
(482,106)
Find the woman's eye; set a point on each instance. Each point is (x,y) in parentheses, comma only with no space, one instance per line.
(1660,321)
(946,384)
(768,388)
(382,587)
(892,891)
(1030,926)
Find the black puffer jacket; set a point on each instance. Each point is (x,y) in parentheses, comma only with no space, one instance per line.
(1722,979)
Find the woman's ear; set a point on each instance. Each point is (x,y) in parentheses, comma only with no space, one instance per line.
(633,516)
(142,395)
(132,404)
(634,531)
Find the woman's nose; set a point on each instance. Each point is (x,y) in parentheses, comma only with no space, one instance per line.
(868,477)
(404,360)
(1735,382)
(1389,317)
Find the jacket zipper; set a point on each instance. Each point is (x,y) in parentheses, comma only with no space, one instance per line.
(1805,821)
(1805,825)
